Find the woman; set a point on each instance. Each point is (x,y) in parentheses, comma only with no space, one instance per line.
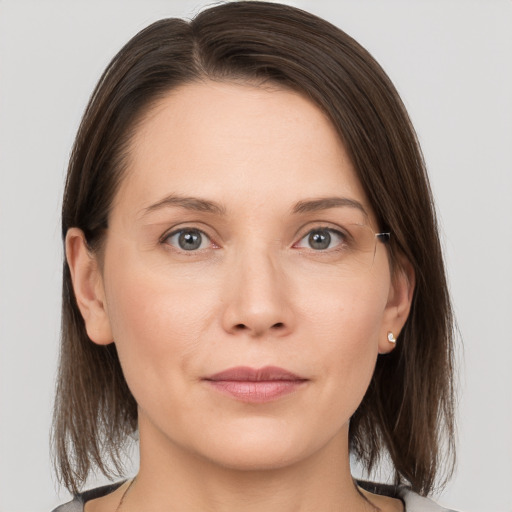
(253,280)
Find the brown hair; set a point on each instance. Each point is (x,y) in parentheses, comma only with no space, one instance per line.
(407,412)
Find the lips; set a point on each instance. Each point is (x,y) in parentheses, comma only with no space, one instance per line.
(253,385)
(246,374)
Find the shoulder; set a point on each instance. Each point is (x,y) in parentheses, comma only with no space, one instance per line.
(72,506)
(78,502)
(416,503)
(413,502)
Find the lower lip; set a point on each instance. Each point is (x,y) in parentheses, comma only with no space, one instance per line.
(256,391)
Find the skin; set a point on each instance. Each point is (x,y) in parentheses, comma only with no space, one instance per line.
(254,294)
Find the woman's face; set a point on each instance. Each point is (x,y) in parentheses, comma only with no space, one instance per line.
(240,239)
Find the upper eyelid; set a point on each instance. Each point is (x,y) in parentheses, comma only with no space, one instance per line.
(325,228)
(176,229)
(328,226)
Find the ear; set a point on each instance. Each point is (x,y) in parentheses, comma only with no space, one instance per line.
(399,304)
(88,286)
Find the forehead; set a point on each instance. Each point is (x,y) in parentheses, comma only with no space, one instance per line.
(226,141)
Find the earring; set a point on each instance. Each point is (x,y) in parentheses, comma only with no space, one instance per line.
(391,337)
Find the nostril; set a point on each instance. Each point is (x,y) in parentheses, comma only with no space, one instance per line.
(278,325)
(240,327)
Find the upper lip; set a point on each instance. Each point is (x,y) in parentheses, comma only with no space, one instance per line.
(247,374)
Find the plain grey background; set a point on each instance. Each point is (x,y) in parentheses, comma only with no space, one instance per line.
(451,60)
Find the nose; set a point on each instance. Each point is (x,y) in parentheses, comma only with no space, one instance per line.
(258,293)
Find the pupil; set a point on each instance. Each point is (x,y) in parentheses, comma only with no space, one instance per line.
(189,240)
(320,240)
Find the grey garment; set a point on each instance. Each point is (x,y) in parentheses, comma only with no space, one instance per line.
(413,502)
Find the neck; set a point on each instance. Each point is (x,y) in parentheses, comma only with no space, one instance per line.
(173,477)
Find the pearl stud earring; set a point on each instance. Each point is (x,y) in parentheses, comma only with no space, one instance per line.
(391,337)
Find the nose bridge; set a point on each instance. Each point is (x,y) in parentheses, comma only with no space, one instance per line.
(258,292)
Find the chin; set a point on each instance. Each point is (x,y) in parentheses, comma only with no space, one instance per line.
(256,457)
(262,446)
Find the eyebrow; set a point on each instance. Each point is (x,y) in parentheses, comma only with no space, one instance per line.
(204,205)
(189,203)
(326,203)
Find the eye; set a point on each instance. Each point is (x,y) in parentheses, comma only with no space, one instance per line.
(188,239)
(321,239)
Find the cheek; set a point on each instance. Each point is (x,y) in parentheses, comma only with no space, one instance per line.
(345,320)
(348,310)
(157,323)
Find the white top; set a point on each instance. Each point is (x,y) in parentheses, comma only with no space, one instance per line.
(416,503)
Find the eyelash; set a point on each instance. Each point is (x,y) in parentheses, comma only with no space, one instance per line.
(179,232)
